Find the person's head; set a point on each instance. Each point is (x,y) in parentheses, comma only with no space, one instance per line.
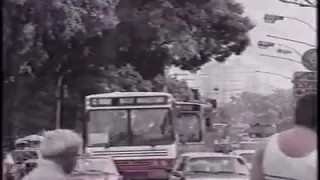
(306,113)
(61,146)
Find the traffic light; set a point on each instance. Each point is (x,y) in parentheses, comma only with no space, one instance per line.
(213,102)
(196,94)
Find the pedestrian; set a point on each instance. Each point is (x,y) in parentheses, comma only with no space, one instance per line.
(292,154)
(59,149)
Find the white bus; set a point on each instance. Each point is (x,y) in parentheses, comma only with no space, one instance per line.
(191,127)
(136,129)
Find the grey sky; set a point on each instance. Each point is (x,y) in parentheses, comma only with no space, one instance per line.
(290,29)
(256,9)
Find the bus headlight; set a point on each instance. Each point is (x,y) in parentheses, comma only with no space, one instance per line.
(164,163)
(155,163)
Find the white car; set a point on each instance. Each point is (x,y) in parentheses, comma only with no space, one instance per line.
(250,145)
(206,166)
(95,167)
(246,154)
(19,158)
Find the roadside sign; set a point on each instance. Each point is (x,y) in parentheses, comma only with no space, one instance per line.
(309,59)
(304,83)
(284,51)
(301,92)
(304,76)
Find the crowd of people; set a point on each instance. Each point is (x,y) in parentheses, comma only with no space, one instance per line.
(289,155)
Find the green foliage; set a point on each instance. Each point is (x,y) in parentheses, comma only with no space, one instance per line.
(39,111)
(179,89)
(87,40)
(186,33)
(253,107)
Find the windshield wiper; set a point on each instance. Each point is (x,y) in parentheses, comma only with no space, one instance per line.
(201,172)
(99,171)
(224,172)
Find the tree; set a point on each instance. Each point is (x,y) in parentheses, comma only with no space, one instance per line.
(187,34)
(272,108)
(179,89)
(40,112)
(42,39)
(80,39)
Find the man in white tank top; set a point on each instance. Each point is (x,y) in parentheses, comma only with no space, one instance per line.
(292,154)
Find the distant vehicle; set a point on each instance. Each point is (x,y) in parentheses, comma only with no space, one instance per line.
(28,166)
(202,165)
(260,130)
(20,157)
(192,127)
(250,145)
(33,140)
(21,144)
(246,154)
(136,129)
(222,141)
(89,167)
(235,145)
(239,128)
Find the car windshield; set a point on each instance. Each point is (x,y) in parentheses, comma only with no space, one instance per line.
(21,156)
(95,165)
(247,156)
(189,127)
(214,165)
(250,145)
(130,127)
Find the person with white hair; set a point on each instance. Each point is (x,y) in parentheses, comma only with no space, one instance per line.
(59,149)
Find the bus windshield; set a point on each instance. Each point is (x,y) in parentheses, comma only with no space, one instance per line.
(189,127)
(131,127)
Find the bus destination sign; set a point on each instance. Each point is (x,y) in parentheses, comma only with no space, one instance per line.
(188,107)
(127,101)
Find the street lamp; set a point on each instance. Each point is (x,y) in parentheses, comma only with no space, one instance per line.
(307,3)
(267,44)
(272,18)
(291,40)
(275,74)
(278,57)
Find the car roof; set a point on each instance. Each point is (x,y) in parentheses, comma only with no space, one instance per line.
(188,103)
(208,154)
(27,150)
(250,142)
(31,161)
(239,151)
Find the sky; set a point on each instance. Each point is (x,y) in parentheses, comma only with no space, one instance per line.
(287,28)
(290,29)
